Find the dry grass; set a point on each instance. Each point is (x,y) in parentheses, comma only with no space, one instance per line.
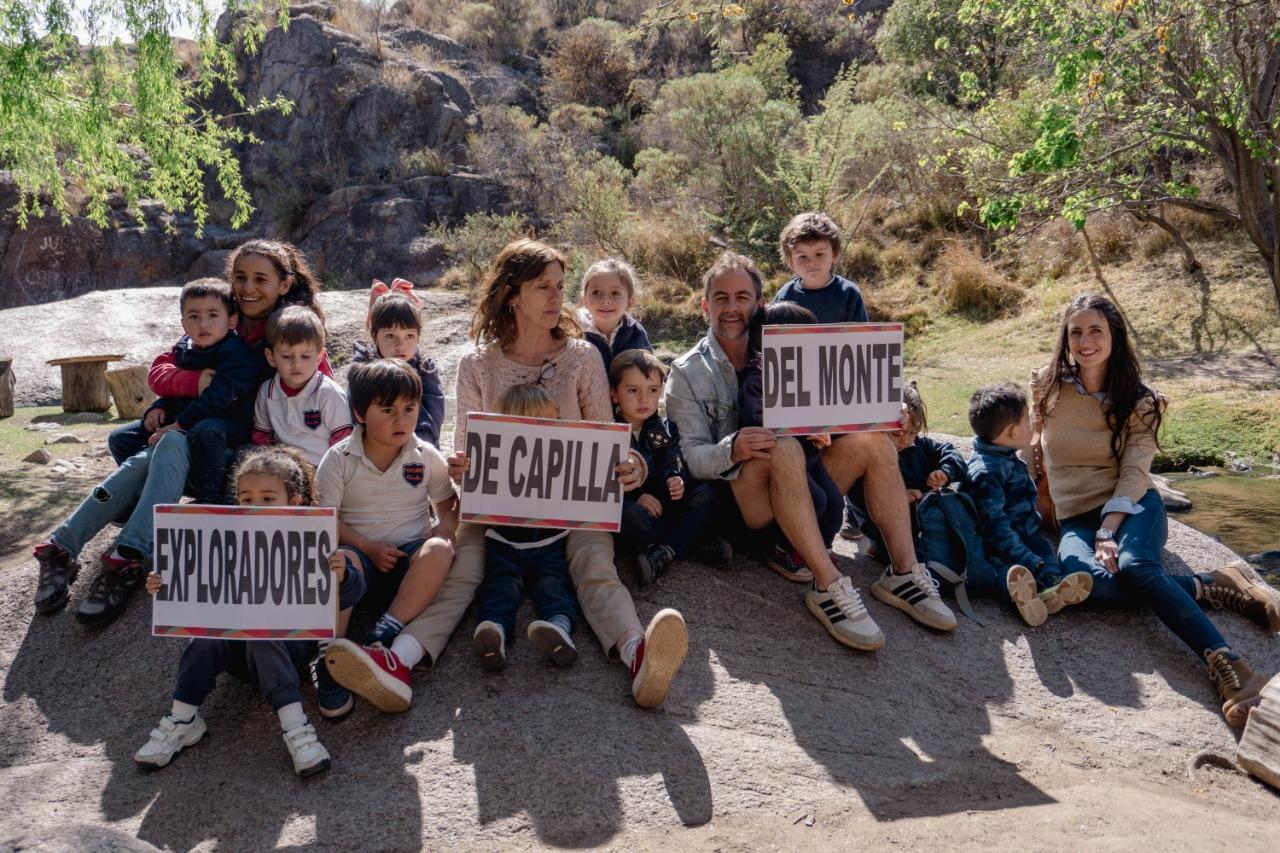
(898,258)
(665,248)
(670,311)
(859,261)
(1113,236)
(968,285)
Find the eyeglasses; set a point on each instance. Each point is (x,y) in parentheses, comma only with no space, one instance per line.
(546,374)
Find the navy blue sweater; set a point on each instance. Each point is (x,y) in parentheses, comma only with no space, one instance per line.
(839,302)
(431,412)
(629,335)
(231,393)
(658,442)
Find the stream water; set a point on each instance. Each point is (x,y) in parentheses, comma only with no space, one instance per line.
(1241,510)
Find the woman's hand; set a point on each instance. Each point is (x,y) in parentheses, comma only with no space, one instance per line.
(1106,554)
(650,504)
(153,582)
(458,464)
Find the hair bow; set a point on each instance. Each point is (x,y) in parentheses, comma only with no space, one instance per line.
(402,286)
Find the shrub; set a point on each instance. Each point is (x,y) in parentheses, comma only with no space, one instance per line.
(859,261)
(424,161)
(668,247)
(897,258)
(1112,236)
(597,205)
(474,244)
(590,64)
(499,27)
(969,286)
(670,311)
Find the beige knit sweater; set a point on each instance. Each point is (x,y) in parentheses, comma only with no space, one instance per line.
(579,384)
(1083,475)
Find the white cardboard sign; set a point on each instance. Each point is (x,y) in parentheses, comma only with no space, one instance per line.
(843,377)
(541,472)
(245,572)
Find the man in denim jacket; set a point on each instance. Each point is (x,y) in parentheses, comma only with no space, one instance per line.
(763,477)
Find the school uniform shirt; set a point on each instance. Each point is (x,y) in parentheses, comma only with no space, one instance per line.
(312,418)
(386,506)
(839,301)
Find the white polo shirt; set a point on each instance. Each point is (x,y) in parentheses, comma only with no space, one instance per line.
(387,506)
(308,420)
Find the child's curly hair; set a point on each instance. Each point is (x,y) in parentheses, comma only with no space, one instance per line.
(281,461)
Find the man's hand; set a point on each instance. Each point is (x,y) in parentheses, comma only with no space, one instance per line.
(752,443)
(937,480)
(206,379)
(154,420)
(675,487)
(650,504)
(384,555)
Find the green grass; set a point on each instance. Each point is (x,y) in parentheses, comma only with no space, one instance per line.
(17,442)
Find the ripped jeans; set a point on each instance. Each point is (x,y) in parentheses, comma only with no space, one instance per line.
(154,475)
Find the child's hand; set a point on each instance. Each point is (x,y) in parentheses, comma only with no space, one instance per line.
(675,487)
(914,495)
(154,420)
(820,440)
(631,473)
(384,555)
(650,504)
(155,437)
(458,463)
(206,379)
(338,565)
(153,582)
(937,480)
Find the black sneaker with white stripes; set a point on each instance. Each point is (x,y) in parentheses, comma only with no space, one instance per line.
(915,594)
(840,609)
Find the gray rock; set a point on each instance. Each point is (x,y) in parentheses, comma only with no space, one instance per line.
(64,438)
(75,838)
(85,418)
(38,457)
(1239,465)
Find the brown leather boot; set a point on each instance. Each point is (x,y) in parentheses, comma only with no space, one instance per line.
(1238,685)
(1236,586)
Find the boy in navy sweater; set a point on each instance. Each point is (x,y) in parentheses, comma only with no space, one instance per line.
(1005,495)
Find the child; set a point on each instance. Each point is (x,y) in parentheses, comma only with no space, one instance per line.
(277,476)
(182,434)
(810,247)
(300,406)
(828,501)
(608,293)
(1005,496)
(385,480)
(927,465)
(519,558)
(395,322)
(663,518)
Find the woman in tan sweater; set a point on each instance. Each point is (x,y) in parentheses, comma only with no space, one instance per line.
(524,333)
(1098,424)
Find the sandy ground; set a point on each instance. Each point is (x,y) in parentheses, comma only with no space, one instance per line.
(1074,735)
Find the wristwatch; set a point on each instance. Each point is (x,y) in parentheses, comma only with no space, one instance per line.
(1103,535)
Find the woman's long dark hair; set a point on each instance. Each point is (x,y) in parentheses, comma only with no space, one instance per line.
(1123,383)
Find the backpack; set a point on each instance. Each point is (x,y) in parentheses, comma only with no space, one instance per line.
(951,542)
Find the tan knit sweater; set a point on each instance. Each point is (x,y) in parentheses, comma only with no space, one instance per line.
(579,384)
(1083,475)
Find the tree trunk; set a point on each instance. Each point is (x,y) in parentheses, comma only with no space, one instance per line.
(7,382)
(129,390)
(84,382)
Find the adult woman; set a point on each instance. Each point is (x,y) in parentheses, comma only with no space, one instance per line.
(525,334)
(1098,424)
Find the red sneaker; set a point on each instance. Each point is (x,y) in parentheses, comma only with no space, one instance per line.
(658,658)
(373,672)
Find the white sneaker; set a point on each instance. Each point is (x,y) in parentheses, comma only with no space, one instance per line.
(490,641)
(547,638)
(308,753)
(168,739)
(915,594)
(840,610)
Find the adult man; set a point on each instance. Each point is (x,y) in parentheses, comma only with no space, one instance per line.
(766,475)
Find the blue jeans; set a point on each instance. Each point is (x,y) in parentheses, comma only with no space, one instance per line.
(680,526)
(127,441)
(1141,580)
(150,477)
(209,440)
(273,665)
(508,571)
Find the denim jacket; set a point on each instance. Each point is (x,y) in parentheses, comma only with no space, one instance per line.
(1001,486)
(702,402)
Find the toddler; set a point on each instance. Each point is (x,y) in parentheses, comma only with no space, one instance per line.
(609,290)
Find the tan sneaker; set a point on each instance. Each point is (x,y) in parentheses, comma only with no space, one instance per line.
(658,658)
(1238,685)
(1236,586)
(1073,589)
(1022,589)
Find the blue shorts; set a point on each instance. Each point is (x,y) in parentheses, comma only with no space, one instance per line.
(381,587)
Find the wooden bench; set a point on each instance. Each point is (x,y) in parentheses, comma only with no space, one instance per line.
(84,382)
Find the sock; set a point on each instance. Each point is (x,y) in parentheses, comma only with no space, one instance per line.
(1202,580)
(127,553)
(183,712)
(388,626)
(562,622)
(291,716)
(408,650)
(627,648)
(323,646)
